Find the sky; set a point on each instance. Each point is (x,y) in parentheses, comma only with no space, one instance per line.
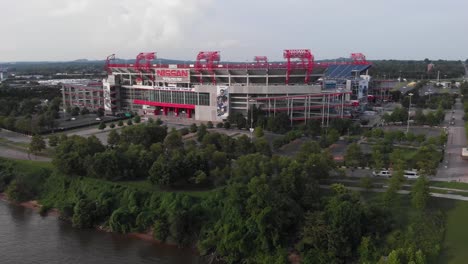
(61,30)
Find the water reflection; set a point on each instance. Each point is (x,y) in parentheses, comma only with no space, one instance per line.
(26,237)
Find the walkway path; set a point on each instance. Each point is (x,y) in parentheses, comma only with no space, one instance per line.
(439,195)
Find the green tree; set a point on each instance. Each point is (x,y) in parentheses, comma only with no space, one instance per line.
(259,132)
(75,111)
(102,126)
(366,251)
(209,124)
(129,122)
(120,123)
(100,112)
(366,183)
(84,111)
(227,125)
(37,144)
(377,159)
(137,119)
(173,141)
(193,128)
(53,140)
(353,155)
(420,193)
(113,138)
(201,132)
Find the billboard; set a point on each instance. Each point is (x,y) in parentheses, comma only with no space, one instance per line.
(107,95)
(172,75)
(222,102)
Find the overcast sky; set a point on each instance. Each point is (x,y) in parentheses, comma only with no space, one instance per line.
(381,29)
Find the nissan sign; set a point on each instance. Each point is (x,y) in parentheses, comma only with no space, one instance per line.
(173,75)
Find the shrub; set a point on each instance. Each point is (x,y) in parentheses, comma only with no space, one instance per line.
(193,128)
(101,126)
(219,125)
(137,119)
(227,125)
(184,131)
(112,125)
(53,140)
(209,124)
(120,123)
(129,122)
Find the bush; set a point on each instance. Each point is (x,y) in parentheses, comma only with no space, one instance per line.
(137,119)
(193,128)
(184,131)
(278,142)
(227,125)
(101,126)
(53,140)
(159,121)
(209,124)
(120,123)
(129,122)
(112,125)
(219,125)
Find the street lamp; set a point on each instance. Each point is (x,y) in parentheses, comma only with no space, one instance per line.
(251,117)
(409,107)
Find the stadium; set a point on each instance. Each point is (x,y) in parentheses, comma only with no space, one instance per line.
(209,90)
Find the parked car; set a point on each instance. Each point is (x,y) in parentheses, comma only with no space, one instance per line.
(382,173)
(411,174)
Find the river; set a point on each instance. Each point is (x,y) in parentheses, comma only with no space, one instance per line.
(27,237)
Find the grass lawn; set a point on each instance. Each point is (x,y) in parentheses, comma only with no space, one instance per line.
(30,166)
(455,246)
(147,186)
(452,185)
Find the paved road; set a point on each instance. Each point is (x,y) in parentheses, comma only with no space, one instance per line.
(380,190)
(14,137)
(11,153)
(454,168)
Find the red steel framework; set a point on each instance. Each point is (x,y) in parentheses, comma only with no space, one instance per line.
(143,61)
(359,59)
(306,58)
(108,63)
(207,60)
(261,60)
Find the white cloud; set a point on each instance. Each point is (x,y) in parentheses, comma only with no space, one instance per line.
(69,8)
(69,29)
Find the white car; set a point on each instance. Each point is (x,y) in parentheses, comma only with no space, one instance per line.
(410,174)
(98,119)
(382,173)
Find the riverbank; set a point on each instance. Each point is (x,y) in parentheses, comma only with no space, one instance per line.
(54,212)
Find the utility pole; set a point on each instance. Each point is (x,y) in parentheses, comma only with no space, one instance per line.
(409,107)
(251,118)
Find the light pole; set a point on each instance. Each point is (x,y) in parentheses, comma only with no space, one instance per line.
(409,107)
(251,118)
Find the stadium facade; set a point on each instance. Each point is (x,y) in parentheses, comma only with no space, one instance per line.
(209,90)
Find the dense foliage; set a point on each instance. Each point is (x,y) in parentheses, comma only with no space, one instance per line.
(416,69)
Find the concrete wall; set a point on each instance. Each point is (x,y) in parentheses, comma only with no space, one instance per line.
(206,113)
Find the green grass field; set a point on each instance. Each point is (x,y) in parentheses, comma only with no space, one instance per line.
(147,186)
(30,166)
(452,185)
(455,244)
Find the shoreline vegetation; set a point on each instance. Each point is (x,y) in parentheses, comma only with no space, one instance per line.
(54,212)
